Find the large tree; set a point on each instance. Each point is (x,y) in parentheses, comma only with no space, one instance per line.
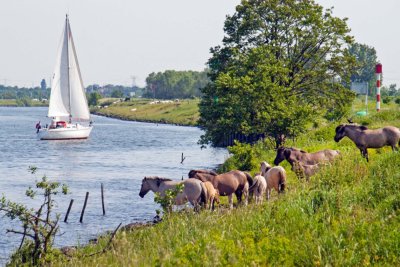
(175,84)
(282,64)
(366,60)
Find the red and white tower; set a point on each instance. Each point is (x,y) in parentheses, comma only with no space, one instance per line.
(378,72)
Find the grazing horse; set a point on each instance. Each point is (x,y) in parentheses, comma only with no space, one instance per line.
(275,177)
(304,170)
(294,154)
(259,188)
(194,190)
(212,195)
(365,138)
(237,182)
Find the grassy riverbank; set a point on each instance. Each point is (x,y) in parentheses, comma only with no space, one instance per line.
(184,112)
(22,103)
(347,215)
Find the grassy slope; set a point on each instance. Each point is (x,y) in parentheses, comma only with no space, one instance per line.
(348,215)
(182,113)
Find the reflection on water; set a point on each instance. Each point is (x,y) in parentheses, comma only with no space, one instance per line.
(118,154)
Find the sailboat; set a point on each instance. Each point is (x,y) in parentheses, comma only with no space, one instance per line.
(68,105)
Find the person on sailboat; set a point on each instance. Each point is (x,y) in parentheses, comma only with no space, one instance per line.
(38,127)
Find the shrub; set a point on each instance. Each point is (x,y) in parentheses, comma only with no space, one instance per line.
(243,158)
(167,200)
(40,225)
(386,99)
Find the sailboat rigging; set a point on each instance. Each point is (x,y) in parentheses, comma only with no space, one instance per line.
(68,105)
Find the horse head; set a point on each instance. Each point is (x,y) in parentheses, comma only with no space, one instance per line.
(282,153)
(192,173)
(340,132)
(145,187)
(151,183)
(202,175)
(264,167)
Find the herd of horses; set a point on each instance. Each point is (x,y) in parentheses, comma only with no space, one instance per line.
(203,187)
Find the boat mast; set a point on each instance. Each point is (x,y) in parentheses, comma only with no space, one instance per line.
(69,84)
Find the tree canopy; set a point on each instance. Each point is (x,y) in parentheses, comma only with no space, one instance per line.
(366,60)
(282,64)
(175,84)
(14,92)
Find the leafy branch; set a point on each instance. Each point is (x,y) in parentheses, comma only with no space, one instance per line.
(40,225)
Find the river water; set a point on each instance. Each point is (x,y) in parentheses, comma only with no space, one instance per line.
(118,154)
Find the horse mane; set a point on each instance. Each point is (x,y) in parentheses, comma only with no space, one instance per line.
(162,179)
(357,126)
(296,149)
(203,171)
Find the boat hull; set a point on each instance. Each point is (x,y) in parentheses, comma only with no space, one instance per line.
(69,133)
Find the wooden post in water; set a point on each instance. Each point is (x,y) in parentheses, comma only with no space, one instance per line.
(102,199)
(69,209)
(84,207)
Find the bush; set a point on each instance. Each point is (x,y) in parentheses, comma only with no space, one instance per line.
(243,158)
(386,99)
(39,226)
(168,199)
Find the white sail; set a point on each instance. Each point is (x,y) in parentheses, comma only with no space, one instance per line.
(79,105)
(59,97)
(68,98)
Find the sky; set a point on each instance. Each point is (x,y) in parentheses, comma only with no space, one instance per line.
(123,41)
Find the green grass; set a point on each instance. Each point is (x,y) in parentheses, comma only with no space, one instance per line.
(347,215)
(184,112)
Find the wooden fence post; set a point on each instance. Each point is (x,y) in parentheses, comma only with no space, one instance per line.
(69,209)
(84,207)
(102,199)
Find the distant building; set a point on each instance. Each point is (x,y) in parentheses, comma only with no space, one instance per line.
(43,85)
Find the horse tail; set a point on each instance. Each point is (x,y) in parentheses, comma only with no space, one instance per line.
(249,179)
(282,182)
(254,185)
(203,194)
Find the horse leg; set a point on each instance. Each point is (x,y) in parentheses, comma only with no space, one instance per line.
(394,148)
(366,153)
(268,193)
(230,200)
(239,194)
(246,194)
(362,152)
(196,208)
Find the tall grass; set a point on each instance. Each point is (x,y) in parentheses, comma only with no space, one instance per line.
(347,215)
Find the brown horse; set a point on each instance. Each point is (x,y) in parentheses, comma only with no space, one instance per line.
(304,170)
(365,138)
(275,177)
(212,195)
(294,154)
(237,182)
